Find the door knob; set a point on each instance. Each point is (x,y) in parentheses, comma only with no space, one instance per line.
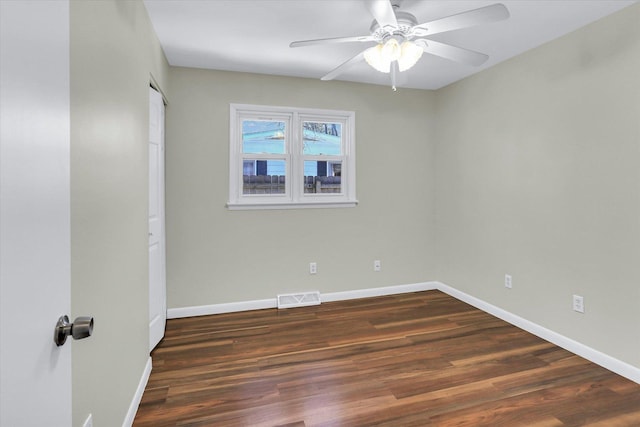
(81,328)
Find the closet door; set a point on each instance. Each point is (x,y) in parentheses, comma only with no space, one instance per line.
(157,272)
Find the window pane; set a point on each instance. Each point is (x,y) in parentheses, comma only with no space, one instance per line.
(263,176)
(322,138)
(249,167)
(260,136)
(322,177)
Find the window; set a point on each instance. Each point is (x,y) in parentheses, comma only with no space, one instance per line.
(291,158)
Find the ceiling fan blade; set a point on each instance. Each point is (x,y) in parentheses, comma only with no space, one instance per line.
(483,15)
(451,52)
(338,70)
(302,43)
(382,12)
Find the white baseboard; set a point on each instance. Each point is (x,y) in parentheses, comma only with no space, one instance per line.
(595,356)
(137,397)
(232,307)
(378,292)
(619,367)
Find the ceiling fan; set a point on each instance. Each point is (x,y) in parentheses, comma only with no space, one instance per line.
(400,40)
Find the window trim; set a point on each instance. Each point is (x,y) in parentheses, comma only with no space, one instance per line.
(294,196)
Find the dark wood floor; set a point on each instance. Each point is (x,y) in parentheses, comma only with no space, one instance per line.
(420,359)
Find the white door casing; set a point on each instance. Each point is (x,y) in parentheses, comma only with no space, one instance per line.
(157,272)
(35,386)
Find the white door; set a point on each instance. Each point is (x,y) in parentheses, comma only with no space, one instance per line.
(35,374)
(157,274)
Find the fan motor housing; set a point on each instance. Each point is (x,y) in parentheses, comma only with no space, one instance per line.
(406,22)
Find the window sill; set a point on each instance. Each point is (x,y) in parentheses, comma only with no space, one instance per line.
(291,205)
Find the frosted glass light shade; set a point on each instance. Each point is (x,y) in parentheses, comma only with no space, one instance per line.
(382,55)
(373,56)
(410,54)
(391,50)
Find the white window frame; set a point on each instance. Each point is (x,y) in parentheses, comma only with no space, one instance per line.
(294,196)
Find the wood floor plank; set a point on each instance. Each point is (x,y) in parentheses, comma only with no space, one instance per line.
(418,359)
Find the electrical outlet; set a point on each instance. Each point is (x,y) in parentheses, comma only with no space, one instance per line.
(313,268)
(507,281)
(88,422)
(578,303)
(377,265)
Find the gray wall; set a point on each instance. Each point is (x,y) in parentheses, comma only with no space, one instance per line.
(538,176)
(218,256)
(113,52)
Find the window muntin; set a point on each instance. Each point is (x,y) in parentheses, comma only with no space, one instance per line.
(289,157)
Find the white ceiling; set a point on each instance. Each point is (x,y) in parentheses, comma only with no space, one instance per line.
(254,35)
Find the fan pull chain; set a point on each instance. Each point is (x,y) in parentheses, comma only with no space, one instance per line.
(394,73)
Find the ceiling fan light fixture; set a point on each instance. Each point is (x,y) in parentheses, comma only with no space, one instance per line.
(391,50)
(410,54)
(382,55)
(376,60)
